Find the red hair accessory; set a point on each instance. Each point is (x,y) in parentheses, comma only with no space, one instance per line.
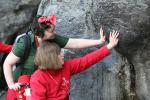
(48,20)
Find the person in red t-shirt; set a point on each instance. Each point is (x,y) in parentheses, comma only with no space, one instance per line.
(5,48)
(52,79)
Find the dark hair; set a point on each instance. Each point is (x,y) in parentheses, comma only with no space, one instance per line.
(39,28)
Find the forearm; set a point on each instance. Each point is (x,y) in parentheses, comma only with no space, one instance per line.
(10,60)
(8,74)
(82,43)
(81,64)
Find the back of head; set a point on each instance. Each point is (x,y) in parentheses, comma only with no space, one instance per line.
(47,56)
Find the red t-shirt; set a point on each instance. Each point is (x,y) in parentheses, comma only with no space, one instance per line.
(5,48)
(54,85)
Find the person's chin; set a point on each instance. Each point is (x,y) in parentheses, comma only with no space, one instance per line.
(62,62)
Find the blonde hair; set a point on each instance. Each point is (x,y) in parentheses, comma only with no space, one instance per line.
(47,56)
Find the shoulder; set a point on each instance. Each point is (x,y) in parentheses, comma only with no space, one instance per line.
(38,74)
(67,64)
(20,38)
(19,44)
(38,77)
(61,40)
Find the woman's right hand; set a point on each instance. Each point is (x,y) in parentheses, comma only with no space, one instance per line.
(15,86)
(102,36)
(113,39)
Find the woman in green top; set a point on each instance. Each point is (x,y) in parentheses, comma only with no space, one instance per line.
(43,29)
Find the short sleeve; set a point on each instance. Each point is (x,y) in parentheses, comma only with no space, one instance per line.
(61,40)
(18,48)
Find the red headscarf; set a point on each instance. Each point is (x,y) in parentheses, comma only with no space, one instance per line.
(48,20)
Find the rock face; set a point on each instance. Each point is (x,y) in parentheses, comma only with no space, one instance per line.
(16,14)
(125,74)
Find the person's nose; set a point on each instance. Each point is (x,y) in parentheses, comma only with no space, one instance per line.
(62,54)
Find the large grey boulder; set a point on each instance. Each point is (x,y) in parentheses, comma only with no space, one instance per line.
(16,14)
(124,75)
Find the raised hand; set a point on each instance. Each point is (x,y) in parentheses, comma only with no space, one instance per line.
(102,36)
(113,39)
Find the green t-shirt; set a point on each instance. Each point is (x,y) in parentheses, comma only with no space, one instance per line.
(28,66)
